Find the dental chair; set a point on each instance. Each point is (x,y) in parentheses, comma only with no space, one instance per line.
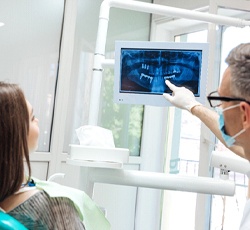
(7,222)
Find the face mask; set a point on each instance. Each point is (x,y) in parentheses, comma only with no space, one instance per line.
(228,139)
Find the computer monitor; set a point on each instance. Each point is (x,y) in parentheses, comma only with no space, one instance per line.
(141,69)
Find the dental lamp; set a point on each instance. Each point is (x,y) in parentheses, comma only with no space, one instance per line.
(229,162)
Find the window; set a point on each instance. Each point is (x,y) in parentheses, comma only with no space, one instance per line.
(125,121)
(184,158)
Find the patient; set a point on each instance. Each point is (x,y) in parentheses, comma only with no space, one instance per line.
(19,196)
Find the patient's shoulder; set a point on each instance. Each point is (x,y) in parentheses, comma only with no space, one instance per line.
(43,210)
(15,200)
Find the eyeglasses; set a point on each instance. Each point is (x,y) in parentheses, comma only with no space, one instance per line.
(216,100)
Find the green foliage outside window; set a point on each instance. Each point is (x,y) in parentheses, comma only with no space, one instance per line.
(125,121)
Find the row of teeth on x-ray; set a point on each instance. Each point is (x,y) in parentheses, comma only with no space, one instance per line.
(151,78)
(169,74)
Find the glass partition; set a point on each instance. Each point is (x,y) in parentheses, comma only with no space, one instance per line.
(30,38)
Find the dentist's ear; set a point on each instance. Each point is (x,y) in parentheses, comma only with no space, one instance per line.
(245,114)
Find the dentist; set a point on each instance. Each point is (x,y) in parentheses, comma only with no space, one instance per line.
(231,121)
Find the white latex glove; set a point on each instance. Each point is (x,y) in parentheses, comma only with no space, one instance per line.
(181,97)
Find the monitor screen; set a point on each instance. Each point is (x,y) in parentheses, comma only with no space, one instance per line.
(141,69)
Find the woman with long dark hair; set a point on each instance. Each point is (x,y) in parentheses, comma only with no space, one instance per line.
(19,196)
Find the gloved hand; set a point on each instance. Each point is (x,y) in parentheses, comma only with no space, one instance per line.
(181,97)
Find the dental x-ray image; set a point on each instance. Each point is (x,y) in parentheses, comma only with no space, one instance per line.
(142,67)
(145,70)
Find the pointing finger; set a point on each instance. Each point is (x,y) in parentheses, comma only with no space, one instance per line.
(170,85)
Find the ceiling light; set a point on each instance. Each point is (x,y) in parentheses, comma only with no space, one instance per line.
(1,24)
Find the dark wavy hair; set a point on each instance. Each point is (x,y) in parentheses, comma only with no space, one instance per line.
(14,128)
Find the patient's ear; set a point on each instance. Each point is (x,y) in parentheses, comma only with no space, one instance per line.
(245,114)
